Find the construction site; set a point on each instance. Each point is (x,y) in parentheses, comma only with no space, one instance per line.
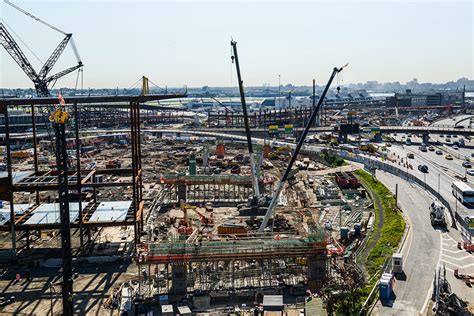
(184,212)
(130,204)
(199,224)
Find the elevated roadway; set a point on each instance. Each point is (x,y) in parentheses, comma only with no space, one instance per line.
(226,132)
(447,130)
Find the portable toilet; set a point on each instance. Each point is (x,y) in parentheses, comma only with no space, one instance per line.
(357,227)
(397,262)
(1,204)
(344,232)
(385,286)
(385,290)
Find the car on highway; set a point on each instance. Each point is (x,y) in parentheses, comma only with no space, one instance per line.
(458,126)
(448,140)
(448,157)
(439,152)
(455,147)
(423,148)
(411,155)
(466,164)
(441,135)
(470,172)
(423,168)
(431,148)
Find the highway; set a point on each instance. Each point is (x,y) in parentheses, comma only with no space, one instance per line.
(421,250)
(441,172)
(424,250)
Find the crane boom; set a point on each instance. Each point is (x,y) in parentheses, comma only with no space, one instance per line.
(256,190)
(39,79)
(63,73)
(49,64)
(280,185)
(9,43)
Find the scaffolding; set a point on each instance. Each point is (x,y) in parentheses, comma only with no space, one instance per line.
(237,249)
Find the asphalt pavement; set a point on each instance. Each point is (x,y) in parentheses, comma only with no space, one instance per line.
(425,249)
(421,250)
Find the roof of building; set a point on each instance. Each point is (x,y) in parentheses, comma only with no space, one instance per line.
(272,300)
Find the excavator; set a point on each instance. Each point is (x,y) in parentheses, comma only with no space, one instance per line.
(258,203)
(185,227)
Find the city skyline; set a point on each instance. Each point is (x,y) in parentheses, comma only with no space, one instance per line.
(300,42)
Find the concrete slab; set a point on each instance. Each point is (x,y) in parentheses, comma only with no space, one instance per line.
(111,211)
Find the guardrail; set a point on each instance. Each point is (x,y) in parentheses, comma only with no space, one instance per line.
(372,163)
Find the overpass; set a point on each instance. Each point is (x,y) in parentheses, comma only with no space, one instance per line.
(383,129)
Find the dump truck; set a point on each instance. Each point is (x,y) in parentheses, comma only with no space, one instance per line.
(437,214)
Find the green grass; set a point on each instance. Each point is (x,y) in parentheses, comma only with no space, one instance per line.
(393,228)
(390,235)
(331,160)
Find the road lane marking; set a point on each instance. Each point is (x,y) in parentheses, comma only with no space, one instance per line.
(452,251)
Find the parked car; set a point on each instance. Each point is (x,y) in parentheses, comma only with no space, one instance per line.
(439,152)
(448,157)
(470,172)
(455,147)
(466,164)
(423,168)
(431,148)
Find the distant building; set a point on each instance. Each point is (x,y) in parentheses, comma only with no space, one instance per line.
(425,98)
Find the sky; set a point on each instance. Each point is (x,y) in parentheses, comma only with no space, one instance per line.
(188,43)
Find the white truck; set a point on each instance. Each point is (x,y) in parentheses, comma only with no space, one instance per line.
(437,214)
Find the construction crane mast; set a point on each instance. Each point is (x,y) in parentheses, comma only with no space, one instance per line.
(40,79)
(235,58)
(280,185)
(60,118)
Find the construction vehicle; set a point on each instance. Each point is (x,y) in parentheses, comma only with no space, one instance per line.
(20,154)
(113,164)
(257,201)
(437,214)
(206,221)
(279,188)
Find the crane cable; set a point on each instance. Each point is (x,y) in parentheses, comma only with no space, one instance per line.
(34,17)
(18,36)
(149,80)
(73,45)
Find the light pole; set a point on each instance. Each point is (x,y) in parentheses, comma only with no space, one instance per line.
(279,92)
(406,161)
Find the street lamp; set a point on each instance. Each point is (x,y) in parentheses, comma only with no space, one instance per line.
(406,161)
